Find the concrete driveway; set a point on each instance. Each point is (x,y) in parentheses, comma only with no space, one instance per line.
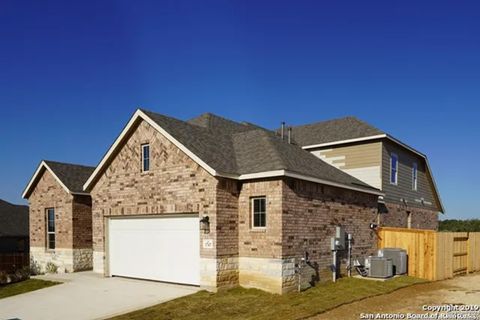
(88,295)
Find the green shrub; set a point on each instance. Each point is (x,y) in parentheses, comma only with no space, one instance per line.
(35,268)
(51,268)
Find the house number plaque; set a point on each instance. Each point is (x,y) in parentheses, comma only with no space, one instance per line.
(207,243)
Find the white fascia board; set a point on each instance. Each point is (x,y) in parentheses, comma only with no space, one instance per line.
(80,193)
(380,136)
(285,173)
(427,164)
(178,144)
(333,184)
(259,175)
(111,150)
(442,208)
(42,165)
(406,146)
(139,114)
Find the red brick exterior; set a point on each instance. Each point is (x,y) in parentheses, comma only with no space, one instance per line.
(82,222)
(397,216)
(48,193)
(264,243)
(73,226)
(312,211)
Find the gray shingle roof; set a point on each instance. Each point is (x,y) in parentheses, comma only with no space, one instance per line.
(73,176)
(212,146)
(333,130)
(242,148)
(13,220)
(219,124)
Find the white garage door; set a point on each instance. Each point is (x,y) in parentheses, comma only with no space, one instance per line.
(164,249)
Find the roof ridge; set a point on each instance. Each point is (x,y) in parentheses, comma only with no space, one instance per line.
(67,163)
(352,117)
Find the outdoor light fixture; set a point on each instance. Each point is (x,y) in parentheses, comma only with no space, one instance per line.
(373,226)
(205,224)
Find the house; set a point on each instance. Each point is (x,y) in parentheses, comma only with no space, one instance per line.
(217,203)
(60,216)
(13,228)
(411,197)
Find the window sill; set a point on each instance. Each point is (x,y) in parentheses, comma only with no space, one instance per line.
(258,230)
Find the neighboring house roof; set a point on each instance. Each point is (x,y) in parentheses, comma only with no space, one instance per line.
(350,130)
(235,150)
(13,220)
(70,176)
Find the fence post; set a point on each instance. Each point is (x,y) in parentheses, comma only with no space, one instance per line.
(468,252)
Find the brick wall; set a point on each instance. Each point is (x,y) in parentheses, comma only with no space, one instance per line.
(397,216)
(310,214)
(82,222)
(48,193)
(264,243)
(73,225)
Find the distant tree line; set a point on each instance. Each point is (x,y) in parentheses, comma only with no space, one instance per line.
(453,225)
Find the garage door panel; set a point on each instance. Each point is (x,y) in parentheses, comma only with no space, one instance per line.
(164,249)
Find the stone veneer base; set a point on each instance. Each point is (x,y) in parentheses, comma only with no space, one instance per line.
(67,260)
(272,275)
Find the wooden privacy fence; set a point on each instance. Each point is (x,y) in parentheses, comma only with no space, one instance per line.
(434,255)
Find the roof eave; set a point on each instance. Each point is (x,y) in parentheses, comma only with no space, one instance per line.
(332,143)
(287,173)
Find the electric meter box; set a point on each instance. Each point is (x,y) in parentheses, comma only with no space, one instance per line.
(338,242)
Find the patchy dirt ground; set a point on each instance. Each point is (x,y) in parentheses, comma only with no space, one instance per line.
(461,290)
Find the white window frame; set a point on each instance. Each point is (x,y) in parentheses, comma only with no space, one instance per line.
(142,150)
(393,155)
(48,233)
(252,205)
(414,176)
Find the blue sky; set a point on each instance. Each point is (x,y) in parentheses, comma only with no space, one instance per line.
(72,73)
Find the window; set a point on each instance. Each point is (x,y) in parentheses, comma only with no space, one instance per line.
(414,176)
(259,212)
(145,157)
(393,168)
(50,228)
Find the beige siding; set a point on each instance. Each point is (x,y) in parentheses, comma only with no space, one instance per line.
(362,161)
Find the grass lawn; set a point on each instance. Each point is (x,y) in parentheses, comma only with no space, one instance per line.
(24,286)
(240,303)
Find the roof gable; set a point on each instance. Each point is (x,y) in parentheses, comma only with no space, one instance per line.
(70,176)
(347,130)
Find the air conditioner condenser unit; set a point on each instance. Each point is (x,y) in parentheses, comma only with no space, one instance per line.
(379,267)
(398,256)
